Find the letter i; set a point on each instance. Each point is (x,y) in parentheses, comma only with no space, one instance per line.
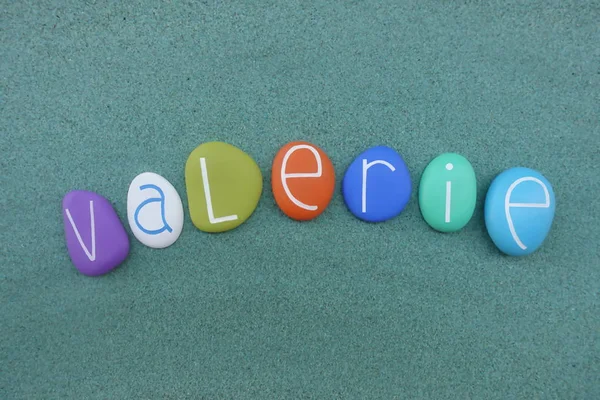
(449,167)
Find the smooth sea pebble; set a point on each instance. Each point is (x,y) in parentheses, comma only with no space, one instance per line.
(96,239)
(224,185)
(377,185)
(448,192)
(154,210)
(519,210)
(302,180)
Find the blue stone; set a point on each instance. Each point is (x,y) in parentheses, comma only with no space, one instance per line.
(519,210)
(377,185)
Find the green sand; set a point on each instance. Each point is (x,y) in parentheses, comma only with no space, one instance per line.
(93,93)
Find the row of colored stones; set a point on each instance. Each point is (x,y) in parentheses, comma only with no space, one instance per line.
(224,185)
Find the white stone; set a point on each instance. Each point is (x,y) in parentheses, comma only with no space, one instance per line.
(154,210)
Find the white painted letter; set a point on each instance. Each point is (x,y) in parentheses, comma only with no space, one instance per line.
(366,166)
(448,200)
(285,176)
(508,205)
(92,256)
(449,167)
(211,216)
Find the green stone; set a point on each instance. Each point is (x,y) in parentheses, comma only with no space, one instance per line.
(448,192)
(224,185)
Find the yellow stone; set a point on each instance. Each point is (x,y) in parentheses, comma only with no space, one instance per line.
(224,185)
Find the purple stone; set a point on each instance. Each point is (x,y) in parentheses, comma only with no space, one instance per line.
(96,239)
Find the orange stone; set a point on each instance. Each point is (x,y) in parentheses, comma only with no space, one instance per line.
(303,180)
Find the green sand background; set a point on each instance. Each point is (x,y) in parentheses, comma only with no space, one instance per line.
(95,92)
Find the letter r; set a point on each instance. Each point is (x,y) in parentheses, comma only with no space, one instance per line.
(365,168)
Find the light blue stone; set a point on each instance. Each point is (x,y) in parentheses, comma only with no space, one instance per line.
(519,210)
(377,185)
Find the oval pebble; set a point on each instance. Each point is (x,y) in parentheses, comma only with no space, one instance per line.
(224,185)
(302,180)
(519,210)
(96,239)
(154,210)
(377,185)
(448,192)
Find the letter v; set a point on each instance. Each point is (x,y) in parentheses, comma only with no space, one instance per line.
(92,256)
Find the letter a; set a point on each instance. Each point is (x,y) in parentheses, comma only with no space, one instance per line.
(160,199)
(92,256)
(508,205)
(366,167)
(211,215)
